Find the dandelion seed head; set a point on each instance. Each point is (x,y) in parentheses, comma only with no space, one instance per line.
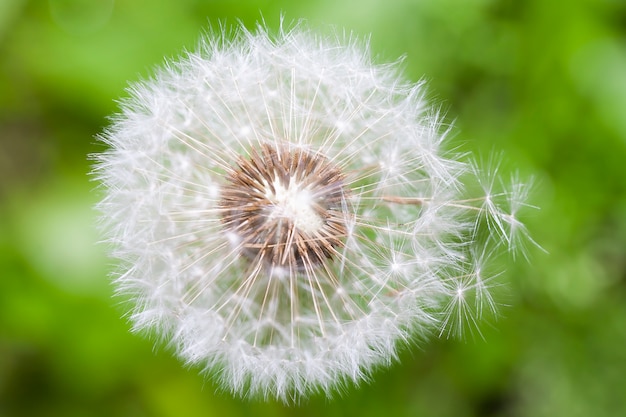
(284,214)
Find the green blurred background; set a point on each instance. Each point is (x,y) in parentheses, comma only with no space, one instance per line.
(542,81)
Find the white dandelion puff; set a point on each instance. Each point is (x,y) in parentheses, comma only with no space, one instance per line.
(285,216)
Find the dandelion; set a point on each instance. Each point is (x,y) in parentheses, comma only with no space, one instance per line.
(286,217)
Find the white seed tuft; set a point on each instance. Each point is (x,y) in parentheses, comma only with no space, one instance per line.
(285,216)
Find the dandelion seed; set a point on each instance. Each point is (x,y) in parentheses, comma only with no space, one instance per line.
(285,216)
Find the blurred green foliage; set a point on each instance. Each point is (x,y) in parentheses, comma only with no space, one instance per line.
(543,81)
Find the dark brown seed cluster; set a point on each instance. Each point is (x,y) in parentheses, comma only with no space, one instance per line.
(286,207)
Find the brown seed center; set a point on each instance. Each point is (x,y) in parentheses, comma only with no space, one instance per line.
(285,207)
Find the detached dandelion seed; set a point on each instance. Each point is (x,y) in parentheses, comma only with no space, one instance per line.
(285,216)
